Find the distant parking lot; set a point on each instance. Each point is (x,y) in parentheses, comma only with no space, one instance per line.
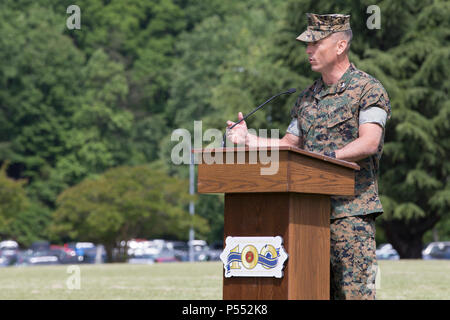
(150,251)
(44,253)
(142,251)
(432,251)
(138,251)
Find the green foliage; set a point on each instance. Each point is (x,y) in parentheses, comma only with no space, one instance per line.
(99,128)
(39,76)
(31,224)
(76,103)
(415,170)
(226,67)
(211,208)
(13,201)
(409,56)
(124,203)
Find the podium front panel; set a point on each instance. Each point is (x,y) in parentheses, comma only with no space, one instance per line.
(302,220)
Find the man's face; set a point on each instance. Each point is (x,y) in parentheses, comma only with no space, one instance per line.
(322,54)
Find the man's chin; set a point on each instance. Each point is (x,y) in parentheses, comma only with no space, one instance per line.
(315,68)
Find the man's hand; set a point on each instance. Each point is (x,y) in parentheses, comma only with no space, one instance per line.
(239,133)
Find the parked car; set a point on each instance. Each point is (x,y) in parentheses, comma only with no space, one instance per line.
(139,247)
(166,255)
(215,250)
(22,257)
(4,260)
(437,250)
(143,259)
(143,251)
(177,245)
(201,250)
(65,255)
(160,244)
(87,251)
(180,249)
(32,258)
(95,254)
(9,244)
(40,246)
(385,251)
(8,252)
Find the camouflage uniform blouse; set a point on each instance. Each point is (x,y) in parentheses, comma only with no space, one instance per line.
(328,119)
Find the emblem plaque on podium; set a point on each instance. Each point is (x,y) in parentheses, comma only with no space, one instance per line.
(254,257)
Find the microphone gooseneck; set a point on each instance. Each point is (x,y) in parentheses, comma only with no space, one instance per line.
(291,90)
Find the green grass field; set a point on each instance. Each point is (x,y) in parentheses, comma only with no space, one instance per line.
(404,279)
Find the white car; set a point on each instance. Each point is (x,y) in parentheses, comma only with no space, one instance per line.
(9,244)
(143,259)
(385,251)
(8,252)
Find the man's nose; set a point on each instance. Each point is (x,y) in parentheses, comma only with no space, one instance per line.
(309,50)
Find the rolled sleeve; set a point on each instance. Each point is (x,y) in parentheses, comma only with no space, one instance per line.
(373,115)
(293,128)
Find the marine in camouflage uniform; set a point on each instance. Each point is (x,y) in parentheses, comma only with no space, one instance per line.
(328,118)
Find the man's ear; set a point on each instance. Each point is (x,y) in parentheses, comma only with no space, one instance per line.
(341,46)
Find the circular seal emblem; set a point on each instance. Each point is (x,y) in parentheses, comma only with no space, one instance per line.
(249,257)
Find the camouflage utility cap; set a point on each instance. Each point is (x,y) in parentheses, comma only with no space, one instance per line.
(321,26)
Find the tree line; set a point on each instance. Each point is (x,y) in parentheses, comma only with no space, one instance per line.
(86,115)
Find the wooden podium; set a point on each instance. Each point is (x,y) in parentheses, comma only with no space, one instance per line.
(293,202)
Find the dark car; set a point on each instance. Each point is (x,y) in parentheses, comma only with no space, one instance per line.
(65,255)
(215,250)
(22,257)
(4,260)
(88,252)
(40,246)
(180,249)
(437,250)
(34,258)
(200,250)
(166,255)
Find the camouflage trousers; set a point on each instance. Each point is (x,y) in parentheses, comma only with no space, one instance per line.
(353,258)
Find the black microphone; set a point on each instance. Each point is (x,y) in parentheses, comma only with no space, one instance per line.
(224,141)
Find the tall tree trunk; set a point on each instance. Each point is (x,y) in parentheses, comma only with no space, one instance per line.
(109,252)
(406,235)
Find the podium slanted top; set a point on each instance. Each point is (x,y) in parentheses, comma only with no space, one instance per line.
(272,169)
